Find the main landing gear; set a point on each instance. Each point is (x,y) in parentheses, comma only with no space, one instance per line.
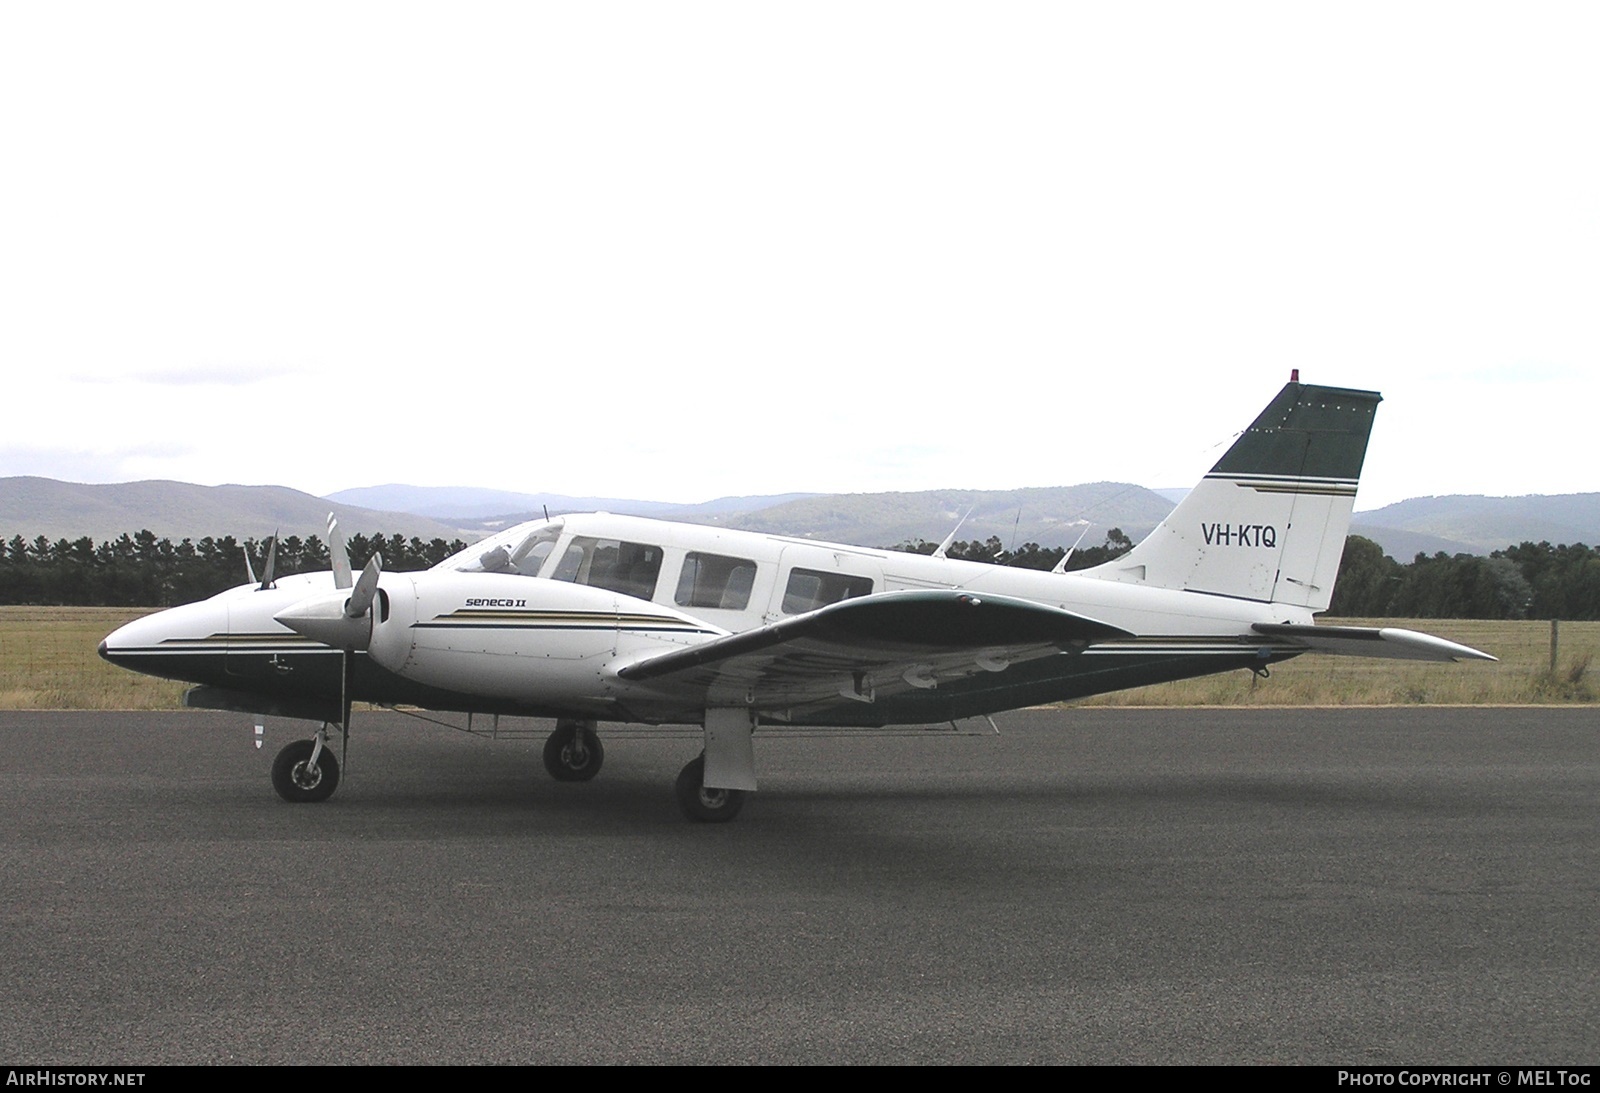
(306,771)
(708,806)
(573,752)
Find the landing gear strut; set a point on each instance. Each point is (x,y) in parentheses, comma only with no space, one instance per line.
(305,771)
(573,752)
(708,806)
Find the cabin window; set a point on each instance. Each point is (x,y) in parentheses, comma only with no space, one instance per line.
(628,568)
(715,580)
(809,589)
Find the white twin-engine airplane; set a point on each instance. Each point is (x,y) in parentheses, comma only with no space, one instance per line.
(613,618)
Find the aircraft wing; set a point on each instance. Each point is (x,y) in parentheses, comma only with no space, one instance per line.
(1361,641)
(857,648)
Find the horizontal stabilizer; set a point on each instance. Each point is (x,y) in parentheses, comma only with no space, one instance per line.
(1361,641)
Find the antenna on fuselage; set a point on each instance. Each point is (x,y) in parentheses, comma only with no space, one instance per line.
(1015,524)
(1061,566)
(939,551)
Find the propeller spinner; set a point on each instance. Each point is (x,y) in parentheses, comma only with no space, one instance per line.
(337,619)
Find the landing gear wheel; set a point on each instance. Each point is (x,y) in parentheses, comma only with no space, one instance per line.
(573,753)
(707,806)
(300,783)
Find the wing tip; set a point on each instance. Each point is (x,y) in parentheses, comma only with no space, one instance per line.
(1452,650)
(1386,642)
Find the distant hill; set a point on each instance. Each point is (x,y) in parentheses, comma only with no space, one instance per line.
(1428,525)
(1403,545)
(470,505)
(1044,515)
(31,507)
(1473,523)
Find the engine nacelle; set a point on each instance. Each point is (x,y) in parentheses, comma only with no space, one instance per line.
(519,638)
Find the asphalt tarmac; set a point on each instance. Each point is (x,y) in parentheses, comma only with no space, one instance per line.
(1409,886)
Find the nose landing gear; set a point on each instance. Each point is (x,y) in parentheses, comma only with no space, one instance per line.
(305,772)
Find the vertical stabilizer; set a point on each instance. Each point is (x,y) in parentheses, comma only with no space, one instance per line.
(1269,521)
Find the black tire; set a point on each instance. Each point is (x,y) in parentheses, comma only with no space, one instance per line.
(706,806)
(302,785)
(573,753)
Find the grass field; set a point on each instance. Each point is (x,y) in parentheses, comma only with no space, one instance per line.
(48,662)
(1521,677)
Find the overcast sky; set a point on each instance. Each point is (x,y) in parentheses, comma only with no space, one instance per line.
(677,251)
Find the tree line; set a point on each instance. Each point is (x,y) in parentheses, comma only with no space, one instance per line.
(1528,581)
(143,571)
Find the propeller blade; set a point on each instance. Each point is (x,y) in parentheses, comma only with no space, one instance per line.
(249,570)
(272,563)
(361,597)
(337,554)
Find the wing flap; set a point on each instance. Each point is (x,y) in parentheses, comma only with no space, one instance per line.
(1360,641)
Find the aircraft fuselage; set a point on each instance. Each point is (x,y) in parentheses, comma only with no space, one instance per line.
(546,635)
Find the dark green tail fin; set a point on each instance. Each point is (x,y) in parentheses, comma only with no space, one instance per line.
(1269,521)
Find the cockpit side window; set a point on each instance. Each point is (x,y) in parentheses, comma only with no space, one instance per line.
(809,589)
(628,568)
(530,556)
(715,580)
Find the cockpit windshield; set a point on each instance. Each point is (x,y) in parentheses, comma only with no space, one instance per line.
(520,550)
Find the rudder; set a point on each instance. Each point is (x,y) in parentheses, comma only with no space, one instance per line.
(1269,521)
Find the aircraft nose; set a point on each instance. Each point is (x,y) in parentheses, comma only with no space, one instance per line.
(121,645)
(113,644)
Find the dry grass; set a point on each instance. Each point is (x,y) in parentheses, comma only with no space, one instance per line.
(48,661)
(1522,676)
